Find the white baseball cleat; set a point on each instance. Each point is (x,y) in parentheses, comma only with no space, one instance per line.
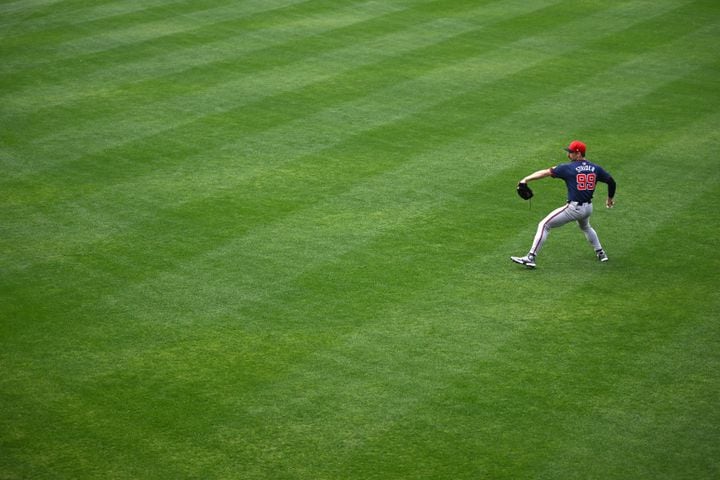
(602,256)
(526,260)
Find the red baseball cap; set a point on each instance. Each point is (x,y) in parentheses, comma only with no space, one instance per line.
(576,146)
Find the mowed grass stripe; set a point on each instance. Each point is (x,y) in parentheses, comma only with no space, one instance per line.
(60,146)
(247,183)
(230,97)
(179,70)
(55,192)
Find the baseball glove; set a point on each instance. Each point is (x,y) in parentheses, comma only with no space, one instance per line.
(524,191)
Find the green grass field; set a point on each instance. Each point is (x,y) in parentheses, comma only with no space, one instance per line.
(270,239)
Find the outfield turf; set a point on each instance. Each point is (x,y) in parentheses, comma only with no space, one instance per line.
(270,239)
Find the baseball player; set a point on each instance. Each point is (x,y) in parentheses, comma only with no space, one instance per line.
(581,177)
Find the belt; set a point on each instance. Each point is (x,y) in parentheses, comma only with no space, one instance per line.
(580,203)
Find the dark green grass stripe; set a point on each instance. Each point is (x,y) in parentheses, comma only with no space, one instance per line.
(223,127)
(626,352)
(123,154)
(568,408)
(362,31)
(210,97)
(96,444)
(24,7)
(650,207)
(236,83)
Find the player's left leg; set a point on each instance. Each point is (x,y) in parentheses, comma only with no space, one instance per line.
(592,236)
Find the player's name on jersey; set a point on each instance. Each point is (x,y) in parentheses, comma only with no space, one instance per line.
(585,168)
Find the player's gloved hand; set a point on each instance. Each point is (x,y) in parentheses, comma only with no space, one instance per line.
(524,191)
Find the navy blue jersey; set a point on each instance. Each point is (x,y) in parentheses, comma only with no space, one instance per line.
(581,178)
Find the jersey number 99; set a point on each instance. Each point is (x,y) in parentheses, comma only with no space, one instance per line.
(585,181)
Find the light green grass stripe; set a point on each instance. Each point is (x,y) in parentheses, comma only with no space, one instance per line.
(144,120)
(657,207)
